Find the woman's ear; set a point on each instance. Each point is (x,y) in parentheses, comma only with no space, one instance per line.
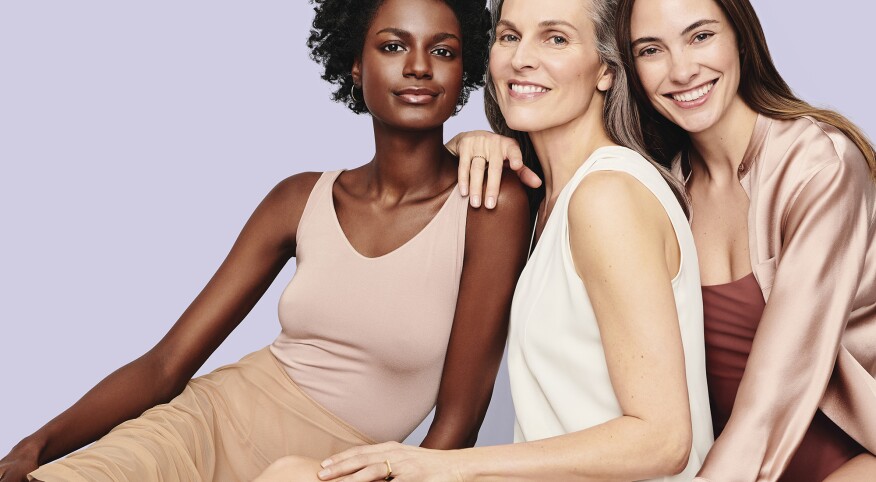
(356,71)
(606,78)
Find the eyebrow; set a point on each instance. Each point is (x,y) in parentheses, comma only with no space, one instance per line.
(556,23)
(697,25)
(506,23)
(690,28)
(543,24)
(404,34)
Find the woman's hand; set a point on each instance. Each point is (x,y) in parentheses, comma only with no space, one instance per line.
(483,152)
(371,463)
(17,464)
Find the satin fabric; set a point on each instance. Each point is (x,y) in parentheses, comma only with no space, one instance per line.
(731,315)
(811,231)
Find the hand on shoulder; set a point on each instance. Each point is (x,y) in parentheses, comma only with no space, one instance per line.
(510,216)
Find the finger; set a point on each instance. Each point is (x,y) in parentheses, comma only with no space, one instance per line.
(464,167)
(513,153)
(476,181)
(494,175)
(365,463)
(372,473)
(357,451)
(528,177)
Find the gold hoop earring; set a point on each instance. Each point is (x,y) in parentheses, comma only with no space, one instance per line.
(353,93)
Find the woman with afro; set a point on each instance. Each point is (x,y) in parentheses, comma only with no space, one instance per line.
(375,328)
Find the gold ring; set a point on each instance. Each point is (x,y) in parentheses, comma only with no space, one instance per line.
(482,157)
(388,470)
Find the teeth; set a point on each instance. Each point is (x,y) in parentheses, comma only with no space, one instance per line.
(694,94)
(527,89)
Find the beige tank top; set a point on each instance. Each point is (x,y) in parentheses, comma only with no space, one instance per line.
(366,337)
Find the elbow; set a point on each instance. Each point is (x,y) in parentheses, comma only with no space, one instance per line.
(166,378)
(673,453)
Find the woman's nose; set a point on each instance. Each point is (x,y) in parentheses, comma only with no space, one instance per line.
(418,65)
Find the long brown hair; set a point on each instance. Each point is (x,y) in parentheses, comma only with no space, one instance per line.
(621,122)
(760,86)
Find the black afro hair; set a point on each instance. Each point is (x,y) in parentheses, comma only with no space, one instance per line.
(338,36)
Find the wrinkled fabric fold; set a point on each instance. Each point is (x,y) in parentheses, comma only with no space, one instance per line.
(228,425)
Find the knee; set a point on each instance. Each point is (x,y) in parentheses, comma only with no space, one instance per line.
(291,467)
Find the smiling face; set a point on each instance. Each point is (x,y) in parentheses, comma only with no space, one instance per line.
(687,60)
(544,64)
(410,70)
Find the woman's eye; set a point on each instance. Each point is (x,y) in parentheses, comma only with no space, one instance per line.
(442,52)
(648,52)
(392,48)
(702,37)
(559,40)
(508,37)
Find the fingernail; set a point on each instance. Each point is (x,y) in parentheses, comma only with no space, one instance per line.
(322,474)
(491,202)
(476,201)
(325,463)
(463,190)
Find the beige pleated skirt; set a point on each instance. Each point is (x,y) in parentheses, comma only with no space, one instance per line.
(228,425)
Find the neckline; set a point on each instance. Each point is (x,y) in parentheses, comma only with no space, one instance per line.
(337,222)
(730,283)
(761,128)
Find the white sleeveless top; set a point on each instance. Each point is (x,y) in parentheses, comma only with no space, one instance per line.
(559,376)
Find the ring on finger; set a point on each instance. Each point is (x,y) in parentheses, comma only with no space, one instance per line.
(478,157)
(388,470)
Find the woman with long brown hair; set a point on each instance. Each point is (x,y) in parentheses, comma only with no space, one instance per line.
(783,203)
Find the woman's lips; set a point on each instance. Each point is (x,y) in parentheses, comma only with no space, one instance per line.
(526,90)
(417,95)
(693,98)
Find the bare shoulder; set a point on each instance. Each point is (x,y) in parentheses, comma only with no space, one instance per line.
(612,208)
(513,191)
(281,210)
(613,217)
(290,195)
(511,213)
(296,188)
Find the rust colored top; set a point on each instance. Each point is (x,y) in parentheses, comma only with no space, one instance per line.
(732,313)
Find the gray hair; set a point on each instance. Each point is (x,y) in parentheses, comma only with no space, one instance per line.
(620,113)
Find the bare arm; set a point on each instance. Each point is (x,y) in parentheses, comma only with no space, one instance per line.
(621,237)
(263,247)
(480,325)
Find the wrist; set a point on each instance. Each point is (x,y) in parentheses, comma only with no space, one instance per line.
(30,448)
(466,466)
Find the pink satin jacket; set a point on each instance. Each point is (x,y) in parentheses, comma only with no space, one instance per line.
(811,229)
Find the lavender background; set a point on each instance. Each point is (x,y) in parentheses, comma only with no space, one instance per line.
(137,137)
